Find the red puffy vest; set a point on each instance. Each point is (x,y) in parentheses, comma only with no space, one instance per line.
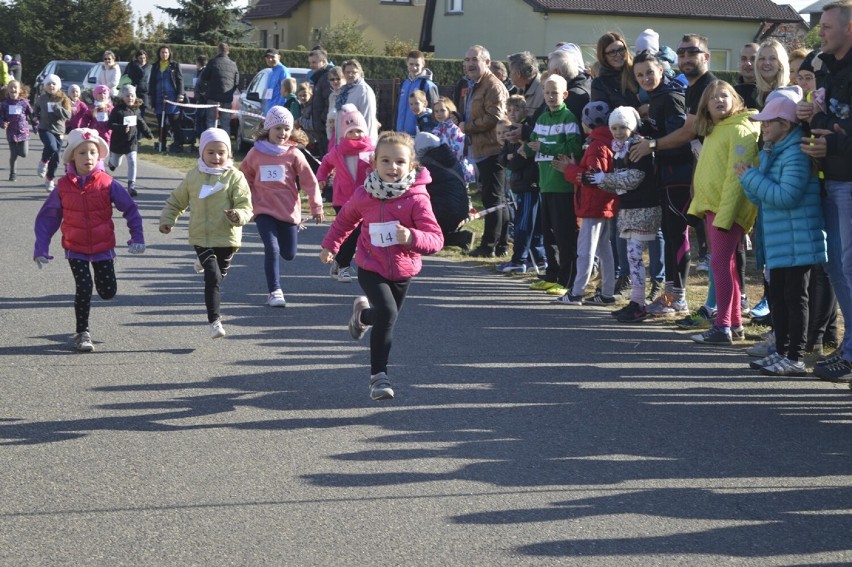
(87,226)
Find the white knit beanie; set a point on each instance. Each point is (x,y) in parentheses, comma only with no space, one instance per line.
(648,40)
(626,116)
(213,135)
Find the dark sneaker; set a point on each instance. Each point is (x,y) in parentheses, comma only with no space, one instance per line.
(600,299)
(622,285)
(657,288)
(356,327)
(131,188)
(13,177)
(512,266)
(501,251)
(840,371)
(833,359)
(701,319)
(481,252)
(616,312)
(714,336)
(380,388)
(633,313)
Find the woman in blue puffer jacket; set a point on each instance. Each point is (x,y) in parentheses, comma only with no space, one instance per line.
(786,188)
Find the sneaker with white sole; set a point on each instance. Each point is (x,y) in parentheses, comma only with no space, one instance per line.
(703,264)
(217,331)
(761,309)
(83,342)
(49,185)
(570,299)
(41,170)
(344,275)
(600,299)
(714,336)
(765,361)
(510,267)
(839,371)
(356,327)
(785,367)
(276,299)
(380,388)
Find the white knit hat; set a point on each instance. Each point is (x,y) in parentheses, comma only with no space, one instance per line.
(648,40)
(277,115)
(213,135)
(53,79)
(626,116)
(80,135)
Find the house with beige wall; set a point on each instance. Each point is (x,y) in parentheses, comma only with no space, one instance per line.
(509,26)
(287,24)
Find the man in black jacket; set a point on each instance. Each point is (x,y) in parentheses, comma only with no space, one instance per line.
(221,77)
(318,62)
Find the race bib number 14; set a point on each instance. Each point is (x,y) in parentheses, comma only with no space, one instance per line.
(383,234)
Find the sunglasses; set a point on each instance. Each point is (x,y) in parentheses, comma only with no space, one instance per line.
(681,51)
(616,52)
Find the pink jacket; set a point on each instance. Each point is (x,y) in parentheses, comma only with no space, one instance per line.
(335,160)
(412,209)
(279,197)
(79,116)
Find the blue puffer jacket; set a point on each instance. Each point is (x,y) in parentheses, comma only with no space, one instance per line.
(786,189)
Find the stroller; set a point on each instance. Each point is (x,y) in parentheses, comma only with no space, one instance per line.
(185,134)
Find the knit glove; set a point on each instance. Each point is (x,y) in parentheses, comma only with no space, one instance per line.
(41,261)
(136,248)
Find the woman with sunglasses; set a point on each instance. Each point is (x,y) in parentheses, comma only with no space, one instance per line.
(110,73)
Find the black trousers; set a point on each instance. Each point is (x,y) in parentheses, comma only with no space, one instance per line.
(347,249)
(386,298)
(492,179)
(788,288)
(559,228)
(822,322)
(216,263)
(104,282)
(676,199)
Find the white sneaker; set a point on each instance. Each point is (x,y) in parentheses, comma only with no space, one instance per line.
(344,275)
(276,299)
(83,342)
(380,388)
(217,330)
(49,185)
(334,269)
(197,266)
(41,170)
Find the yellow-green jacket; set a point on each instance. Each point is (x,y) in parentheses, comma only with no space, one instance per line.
(208,225)
(716,185)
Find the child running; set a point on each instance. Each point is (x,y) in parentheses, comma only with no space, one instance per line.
(15,111)
(730,138)
(398,226)
(52,110)
(350,162)
(220,199)
(275,169)
(81,207)
(79,110)
(126,123)
(100,111)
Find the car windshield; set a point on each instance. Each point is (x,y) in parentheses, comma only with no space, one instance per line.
(71,72)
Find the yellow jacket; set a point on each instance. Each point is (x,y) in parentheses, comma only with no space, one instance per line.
(716,185)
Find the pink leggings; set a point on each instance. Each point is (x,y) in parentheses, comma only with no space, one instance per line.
(723,247)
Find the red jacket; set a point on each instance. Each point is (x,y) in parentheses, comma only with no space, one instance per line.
(87,226)
(589,201)
(412,209)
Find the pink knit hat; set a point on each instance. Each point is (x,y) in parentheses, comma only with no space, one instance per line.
(213,135)
(277,115)
(351,119)
(100,90)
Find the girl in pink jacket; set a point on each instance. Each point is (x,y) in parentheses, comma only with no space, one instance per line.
(349,159)
(398,225)
(272,168)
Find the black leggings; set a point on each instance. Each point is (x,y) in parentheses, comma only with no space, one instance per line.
(386,299)
(104,282)
(676,199)
(788,288)
(347,249)
(216,262)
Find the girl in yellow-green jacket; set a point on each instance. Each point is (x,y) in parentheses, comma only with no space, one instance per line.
(729,138)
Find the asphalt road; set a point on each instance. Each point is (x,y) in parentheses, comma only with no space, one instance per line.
(523,432)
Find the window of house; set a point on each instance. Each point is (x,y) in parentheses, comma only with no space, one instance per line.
(264,38)
(455,7)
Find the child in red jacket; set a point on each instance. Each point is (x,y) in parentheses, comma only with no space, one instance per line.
(349,160)
(398,225)
(593,206)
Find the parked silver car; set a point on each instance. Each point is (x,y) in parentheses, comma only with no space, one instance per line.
(251,101)
(69,72)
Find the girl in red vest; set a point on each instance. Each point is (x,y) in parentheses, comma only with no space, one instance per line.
(81,207)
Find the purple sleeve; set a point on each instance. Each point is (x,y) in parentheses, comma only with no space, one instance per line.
(125,203)
(47,222)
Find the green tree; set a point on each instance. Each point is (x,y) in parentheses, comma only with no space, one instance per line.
(206,22)
(399,47)
(345,36)
(812,40)
(41,30)
(149,30)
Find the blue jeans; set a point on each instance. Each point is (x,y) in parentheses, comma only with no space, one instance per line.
(279,241)
(529,243)
(837,210)
(50,154)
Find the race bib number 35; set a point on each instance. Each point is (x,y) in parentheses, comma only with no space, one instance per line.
(272,173)
(383,234)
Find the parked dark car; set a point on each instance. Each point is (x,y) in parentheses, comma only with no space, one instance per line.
(69,72)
